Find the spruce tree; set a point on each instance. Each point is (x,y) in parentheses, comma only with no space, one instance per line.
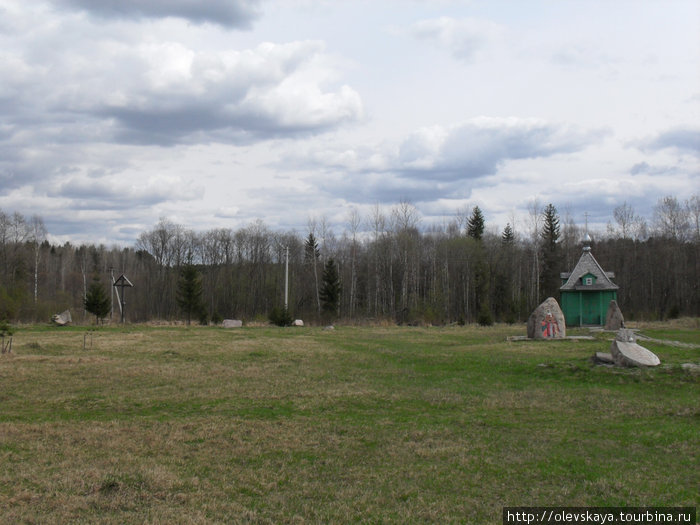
(311,256)
(551,253)
(508,236)
(475,224)
(189,292)
(96,300)
(330,289)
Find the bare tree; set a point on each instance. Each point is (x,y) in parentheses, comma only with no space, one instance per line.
(693,206)
(671,219)
(353,221)
(378,226)
(535,217)
(625,218)
(37,235)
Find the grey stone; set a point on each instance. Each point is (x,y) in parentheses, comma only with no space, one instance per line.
(298,322)
(691,367)
(626,335)
(603,358)
(547,321)
(614,320)
(232,323)
(631,354)
(329,327)
(62,319)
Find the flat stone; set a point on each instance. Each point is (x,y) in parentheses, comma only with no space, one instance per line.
(614,319)
(691,367)
(632,354)
(547,321)
(604,358)
(232,323)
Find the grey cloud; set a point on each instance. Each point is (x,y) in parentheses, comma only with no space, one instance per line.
(477,148)
(646,168)
(436,162)
(682,139)
(171,95)
(108,193)
(389,188)
(230,13)
(467,151)
(266,92)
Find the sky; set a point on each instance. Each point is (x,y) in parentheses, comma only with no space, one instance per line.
(117,113)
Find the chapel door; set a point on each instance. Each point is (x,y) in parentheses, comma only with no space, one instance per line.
(589,309)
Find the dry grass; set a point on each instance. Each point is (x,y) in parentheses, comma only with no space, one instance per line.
(362,424)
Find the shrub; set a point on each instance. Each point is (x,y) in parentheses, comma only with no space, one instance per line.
(485,318)
(217,318)
(280,317)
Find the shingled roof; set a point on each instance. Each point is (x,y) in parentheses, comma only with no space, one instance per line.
(588,265)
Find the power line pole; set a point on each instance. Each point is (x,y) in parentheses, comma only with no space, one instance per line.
(286,279)
(111,311)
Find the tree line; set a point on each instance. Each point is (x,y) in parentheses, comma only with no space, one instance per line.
(387,266)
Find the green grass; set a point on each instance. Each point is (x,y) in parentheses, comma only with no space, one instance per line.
(375,425)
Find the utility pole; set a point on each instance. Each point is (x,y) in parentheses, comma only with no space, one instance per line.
(286,279)
(111,312)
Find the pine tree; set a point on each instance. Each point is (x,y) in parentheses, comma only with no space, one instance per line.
(189,292)
(330,289)
(96,300)
(551,253)
(475,224)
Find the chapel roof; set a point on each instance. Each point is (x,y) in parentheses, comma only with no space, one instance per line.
(587,264)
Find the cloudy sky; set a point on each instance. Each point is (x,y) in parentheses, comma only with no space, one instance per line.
(115,113)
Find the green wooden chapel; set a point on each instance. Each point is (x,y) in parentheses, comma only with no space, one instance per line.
(587,290)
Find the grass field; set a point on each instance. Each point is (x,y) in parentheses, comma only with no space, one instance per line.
(376,425)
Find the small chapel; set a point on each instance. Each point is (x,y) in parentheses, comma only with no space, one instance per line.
(587,290)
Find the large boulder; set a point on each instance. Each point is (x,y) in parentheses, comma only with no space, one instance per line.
(232,323)
(547,321)
(62,319)
(614,319)
(298,322)
(626,352)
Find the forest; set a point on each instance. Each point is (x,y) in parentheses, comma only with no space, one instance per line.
(387,267)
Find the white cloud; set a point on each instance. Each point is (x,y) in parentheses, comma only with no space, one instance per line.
(317,106)
(464,38)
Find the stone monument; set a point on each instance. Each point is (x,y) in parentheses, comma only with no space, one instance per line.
(626,352)
(547,321)
(614,319)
